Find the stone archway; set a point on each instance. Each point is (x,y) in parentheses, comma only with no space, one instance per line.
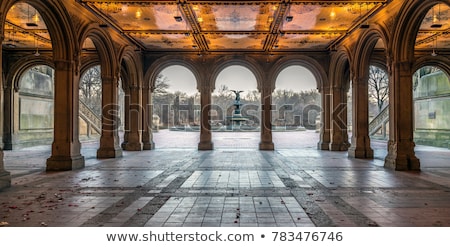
(191,69)
(401,153)
(109,140)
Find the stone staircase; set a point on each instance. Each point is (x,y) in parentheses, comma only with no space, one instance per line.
(92,119)
(379,123)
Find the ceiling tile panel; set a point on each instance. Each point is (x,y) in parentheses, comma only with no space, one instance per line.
(217,41)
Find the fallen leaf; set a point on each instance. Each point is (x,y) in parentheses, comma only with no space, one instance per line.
(3,223)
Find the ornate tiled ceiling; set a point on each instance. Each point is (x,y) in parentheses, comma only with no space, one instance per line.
(231,26)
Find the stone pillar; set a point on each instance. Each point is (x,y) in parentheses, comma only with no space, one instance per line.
(10,117)
(109,140)
(133,132)
(401,155)
(324,142)
(360,147)
(205,126)
(266,142)
(338,121)
(147,119)
(5,177)
(66,145)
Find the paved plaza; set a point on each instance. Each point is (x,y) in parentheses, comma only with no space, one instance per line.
(233,185)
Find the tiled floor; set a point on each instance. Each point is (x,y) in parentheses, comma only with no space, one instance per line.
(233,185)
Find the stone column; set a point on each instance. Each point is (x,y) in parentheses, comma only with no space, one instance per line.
(205,126)
(147,119)
(360,147)
(324,142)
(401,155)
(10,117)
(133,132)
(339,136)
(109,140)
(66,145)
(266,142)
(5,177)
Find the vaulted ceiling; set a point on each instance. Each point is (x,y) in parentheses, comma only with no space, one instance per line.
(226,26)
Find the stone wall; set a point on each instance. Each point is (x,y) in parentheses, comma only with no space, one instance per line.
(432,109)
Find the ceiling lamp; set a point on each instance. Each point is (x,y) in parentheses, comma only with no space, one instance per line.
(434,53)
(289,17)
(332,14)
(138,13)
(35,19)
(364,25)
(178,17)
(37,54)
(436,18)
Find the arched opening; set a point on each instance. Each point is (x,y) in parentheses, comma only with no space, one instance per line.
(28,79)
(34,107)
(378,102)
(431,95)
(236,109)
(429,85)
(176,108)
(297,109)
(90,104)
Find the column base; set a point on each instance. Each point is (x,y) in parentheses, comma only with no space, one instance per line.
(206,146)
(5,180)
(63,163)
(360,153)
(132,146)
(323,146)
(402,163)
(402,159)
(338,147)
(266,146)
(148,146)
(108,153)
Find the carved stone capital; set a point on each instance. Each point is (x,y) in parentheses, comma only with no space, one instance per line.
(64,65)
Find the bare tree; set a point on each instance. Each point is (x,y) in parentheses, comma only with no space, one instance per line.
(378,86)
(91,89)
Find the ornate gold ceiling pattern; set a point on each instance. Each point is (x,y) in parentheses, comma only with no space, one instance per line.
(210,26)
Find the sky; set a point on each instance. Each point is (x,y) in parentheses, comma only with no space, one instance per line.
(237,77)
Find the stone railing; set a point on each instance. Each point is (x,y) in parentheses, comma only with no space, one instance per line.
(379,121)
(90,117)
